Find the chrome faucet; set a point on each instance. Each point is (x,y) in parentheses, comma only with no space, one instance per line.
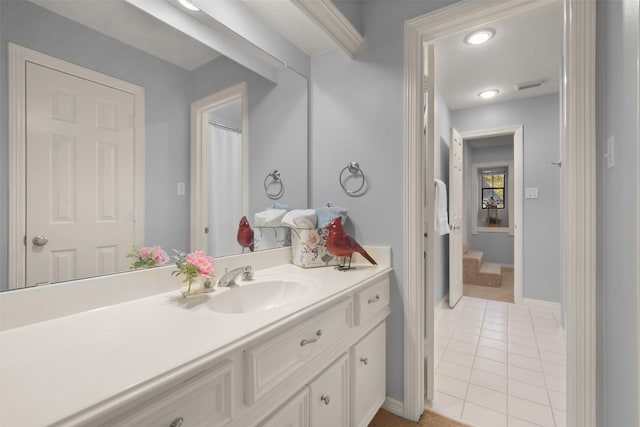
(229,278)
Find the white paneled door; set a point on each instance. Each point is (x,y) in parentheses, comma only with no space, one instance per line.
(80,163)
(455,218)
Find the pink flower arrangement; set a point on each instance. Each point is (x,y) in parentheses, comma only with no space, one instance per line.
(193,265)
(147,257)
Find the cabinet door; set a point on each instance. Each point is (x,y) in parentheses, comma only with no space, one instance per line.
(368,374)
(295,413)
(330,396)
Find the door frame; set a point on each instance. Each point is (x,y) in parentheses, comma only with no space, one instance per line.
(18,58)
(578,184)
(518,202)
(199,158)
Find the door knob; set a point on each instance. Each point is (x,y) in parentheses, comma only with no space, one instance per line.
(40,240)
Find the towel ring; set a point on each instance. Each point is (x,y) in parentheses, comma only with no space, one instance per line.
(354,169)
(275,180)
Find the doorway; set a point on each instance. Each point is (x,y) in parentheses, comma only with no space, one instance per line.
(219,169)
(578,114)
(493,251)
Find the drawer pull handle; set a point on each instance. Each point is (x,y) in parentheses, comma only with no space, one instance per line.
(177,422)
(364,360)
(311,340)
(326,399)
(374,299)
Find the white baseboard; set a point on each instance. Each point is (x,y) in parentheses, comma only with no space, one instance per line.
(444,302)
(541,303)
(394,406)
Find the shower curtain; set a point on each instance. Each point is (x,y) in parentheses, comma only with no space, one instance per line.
(225,190)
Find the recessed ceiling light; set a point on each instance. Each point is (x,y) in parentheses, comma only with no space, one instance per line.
(489,93)
(479,37)
(188,5)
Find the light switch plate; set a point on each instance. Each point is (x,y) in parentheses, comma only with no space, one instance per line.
(181,189)
(531,193)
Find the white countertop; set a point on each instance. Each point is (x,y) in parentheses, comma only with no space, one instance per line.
(54,369)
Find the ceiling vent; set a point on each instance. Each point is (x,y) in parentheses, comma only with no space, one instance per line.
(529,85)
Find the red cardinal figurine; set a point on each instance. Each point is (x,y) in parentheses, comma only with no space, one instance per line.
(339,243)
(245,234)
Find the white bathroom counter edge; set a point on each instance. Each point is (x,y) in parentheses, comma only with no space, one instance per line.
(99,359)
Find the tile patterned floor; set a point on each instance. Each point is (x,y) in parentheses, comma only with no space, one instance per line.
(500,365)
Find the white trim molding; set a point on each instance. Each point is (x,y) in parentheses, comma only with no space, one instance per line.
(19,56)
(394,406)
(200,159)
(579,190)
(579,186)
(334,23)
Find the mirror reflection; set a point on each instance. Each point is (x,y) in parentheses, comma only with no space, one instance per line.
(132,92)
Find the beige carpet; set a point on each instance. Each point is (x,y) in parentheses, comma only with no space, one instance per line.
(502,293)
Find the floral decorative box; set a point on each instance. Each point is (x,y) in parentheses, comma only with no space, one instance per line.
(271,237)
(309,248)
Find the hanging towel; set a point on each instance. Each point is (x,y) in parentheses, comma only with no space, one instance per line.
(300,218)
(269,218)
(328,213)
(442,218)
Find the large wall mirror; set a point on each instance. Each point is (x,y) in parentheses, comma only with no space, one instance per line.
(139,167)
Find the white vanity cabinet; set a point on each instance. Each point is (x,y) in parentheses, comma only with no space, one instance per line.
(202,400)
(324,402)
(368,376)
(321,364)
(295,413)
(329,396)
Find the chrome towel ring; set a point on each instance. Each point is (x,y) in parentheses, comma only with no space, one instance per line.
(273,179)
(354,169)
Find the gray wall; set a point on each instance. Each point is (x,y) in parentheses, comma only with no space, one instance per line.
(497,247)
(617,197)
(542,233)
(357,114)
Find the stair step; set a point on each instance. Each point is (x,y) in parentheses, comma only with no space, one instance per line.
(490,275)
(491,268)
(474,255)
(471,263)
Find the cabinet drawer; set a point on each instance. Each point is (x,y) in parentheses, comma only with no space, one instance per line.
(372,299)
(203,400)
(368,376)
(276,358)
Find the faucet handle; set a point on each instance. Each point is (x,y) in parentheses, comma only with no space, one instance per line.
(247,272)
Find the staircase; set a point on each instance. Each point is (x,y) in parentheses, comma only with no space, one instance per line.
(478,272)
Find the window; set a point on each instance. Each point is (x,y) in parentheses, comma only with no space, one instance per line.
(493,188)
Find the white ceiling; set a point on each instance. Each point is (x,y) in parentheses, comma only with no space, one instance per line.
(130,25)
(524,49)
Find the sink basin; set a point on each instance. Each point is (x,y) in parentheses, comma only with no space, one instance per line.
(260,295)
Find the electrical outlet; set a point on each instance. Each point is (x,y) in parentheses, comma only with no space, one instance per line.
(531,193)
(610,155)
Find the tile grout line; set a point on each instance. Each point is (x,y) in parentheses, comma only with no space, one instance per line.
(544,376)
